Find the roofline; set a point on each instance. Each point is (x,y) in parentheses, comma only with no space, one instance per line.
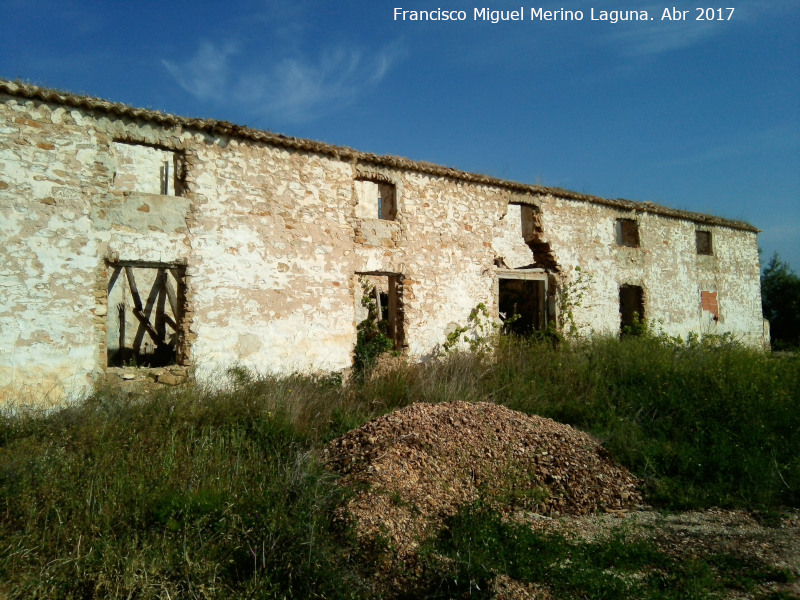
(33,92)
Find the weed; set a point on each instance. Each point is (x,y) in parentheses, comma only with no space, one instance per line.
(570,296)
(371,338)
(478,334)
(215,491)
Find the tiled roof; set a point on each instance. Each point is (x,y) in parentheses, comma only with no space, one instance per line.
(223,128)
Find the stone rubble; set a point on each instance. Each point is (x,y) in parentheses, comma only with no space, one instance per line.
(417,466)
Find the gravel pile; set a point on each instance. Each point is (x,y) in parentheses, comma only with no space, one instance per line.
(417,466)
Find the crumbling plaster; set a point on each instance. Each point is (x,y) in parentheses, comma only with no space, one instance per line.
(272,235)
(666,265)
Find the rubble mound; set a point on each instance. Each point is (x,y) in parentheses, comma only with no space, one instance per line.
(417,466)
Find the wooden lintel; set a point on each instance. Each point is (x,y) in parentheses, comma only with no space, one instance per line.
(175,266)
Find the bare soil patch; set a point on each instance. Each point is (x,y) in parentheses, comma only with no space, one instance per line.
(772,542)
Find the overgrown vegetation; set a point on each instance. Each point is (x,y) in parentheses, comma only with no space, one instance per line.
(705,422)
(478,334)
(780,294)
(371,336)
(202,493)
(570,298)
(184,495)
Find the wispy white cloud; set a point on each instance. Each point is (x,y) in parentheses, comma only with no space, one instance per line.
(297,88)
(206,74)
(659,37)
(293,88)
(651,41)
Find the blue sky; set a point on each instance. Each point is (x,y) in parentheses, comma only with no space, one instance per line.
(697,115)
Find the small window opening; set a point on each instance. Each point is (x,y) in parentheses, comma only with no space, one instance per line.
(387,207)
(703,239)
(145,312)
(523,305)
(627,233)
(528,223)
(148,170)
(376,200)
(631,308)
(382,306)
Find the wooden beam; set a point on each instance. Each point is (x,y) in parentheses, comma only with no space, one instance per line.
(173,297)
(168,320)
(148,327)
(114,277)
(378,307)
(137,301)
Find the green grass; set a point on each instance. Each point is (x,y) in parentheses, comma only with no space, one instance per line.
(177,495)
(218,493)
(704,425)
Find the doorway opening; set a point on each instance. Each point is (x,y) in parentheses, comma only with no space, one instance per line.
(522,302)
(381,306)
(631,308)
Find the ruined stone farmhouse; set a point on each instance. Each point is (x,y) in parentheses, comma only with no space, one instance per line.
(136,238)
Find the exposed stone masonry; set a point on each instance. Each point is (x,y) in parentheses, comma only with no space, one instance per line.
(271,233)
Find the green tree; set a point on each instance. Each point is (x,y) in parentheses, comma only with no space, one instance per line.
(780,300)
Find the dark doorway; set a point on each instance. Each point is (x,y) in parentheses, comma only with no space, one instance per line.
(631,307)
(522,305)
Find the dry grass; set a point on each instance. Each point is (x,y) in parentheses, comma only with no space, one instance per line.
(195,493)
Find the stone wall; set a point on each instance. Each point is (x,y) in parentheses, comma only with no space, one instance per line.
(183,246)
(666,265)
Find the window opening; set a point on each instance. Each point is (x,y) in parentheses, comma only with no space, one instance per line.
(148,169)
(145,312)
(533,234)
(376,199)
(631,307)
(627,233)
(703,239)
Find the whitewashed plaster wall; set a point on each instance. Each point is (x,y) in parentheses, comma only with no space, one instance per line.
(666,265)
(48,265)
(61,217)
(273,239)
(272,258)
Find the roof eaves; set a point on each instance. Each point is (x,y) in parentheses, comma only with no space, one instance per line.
(224,128)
